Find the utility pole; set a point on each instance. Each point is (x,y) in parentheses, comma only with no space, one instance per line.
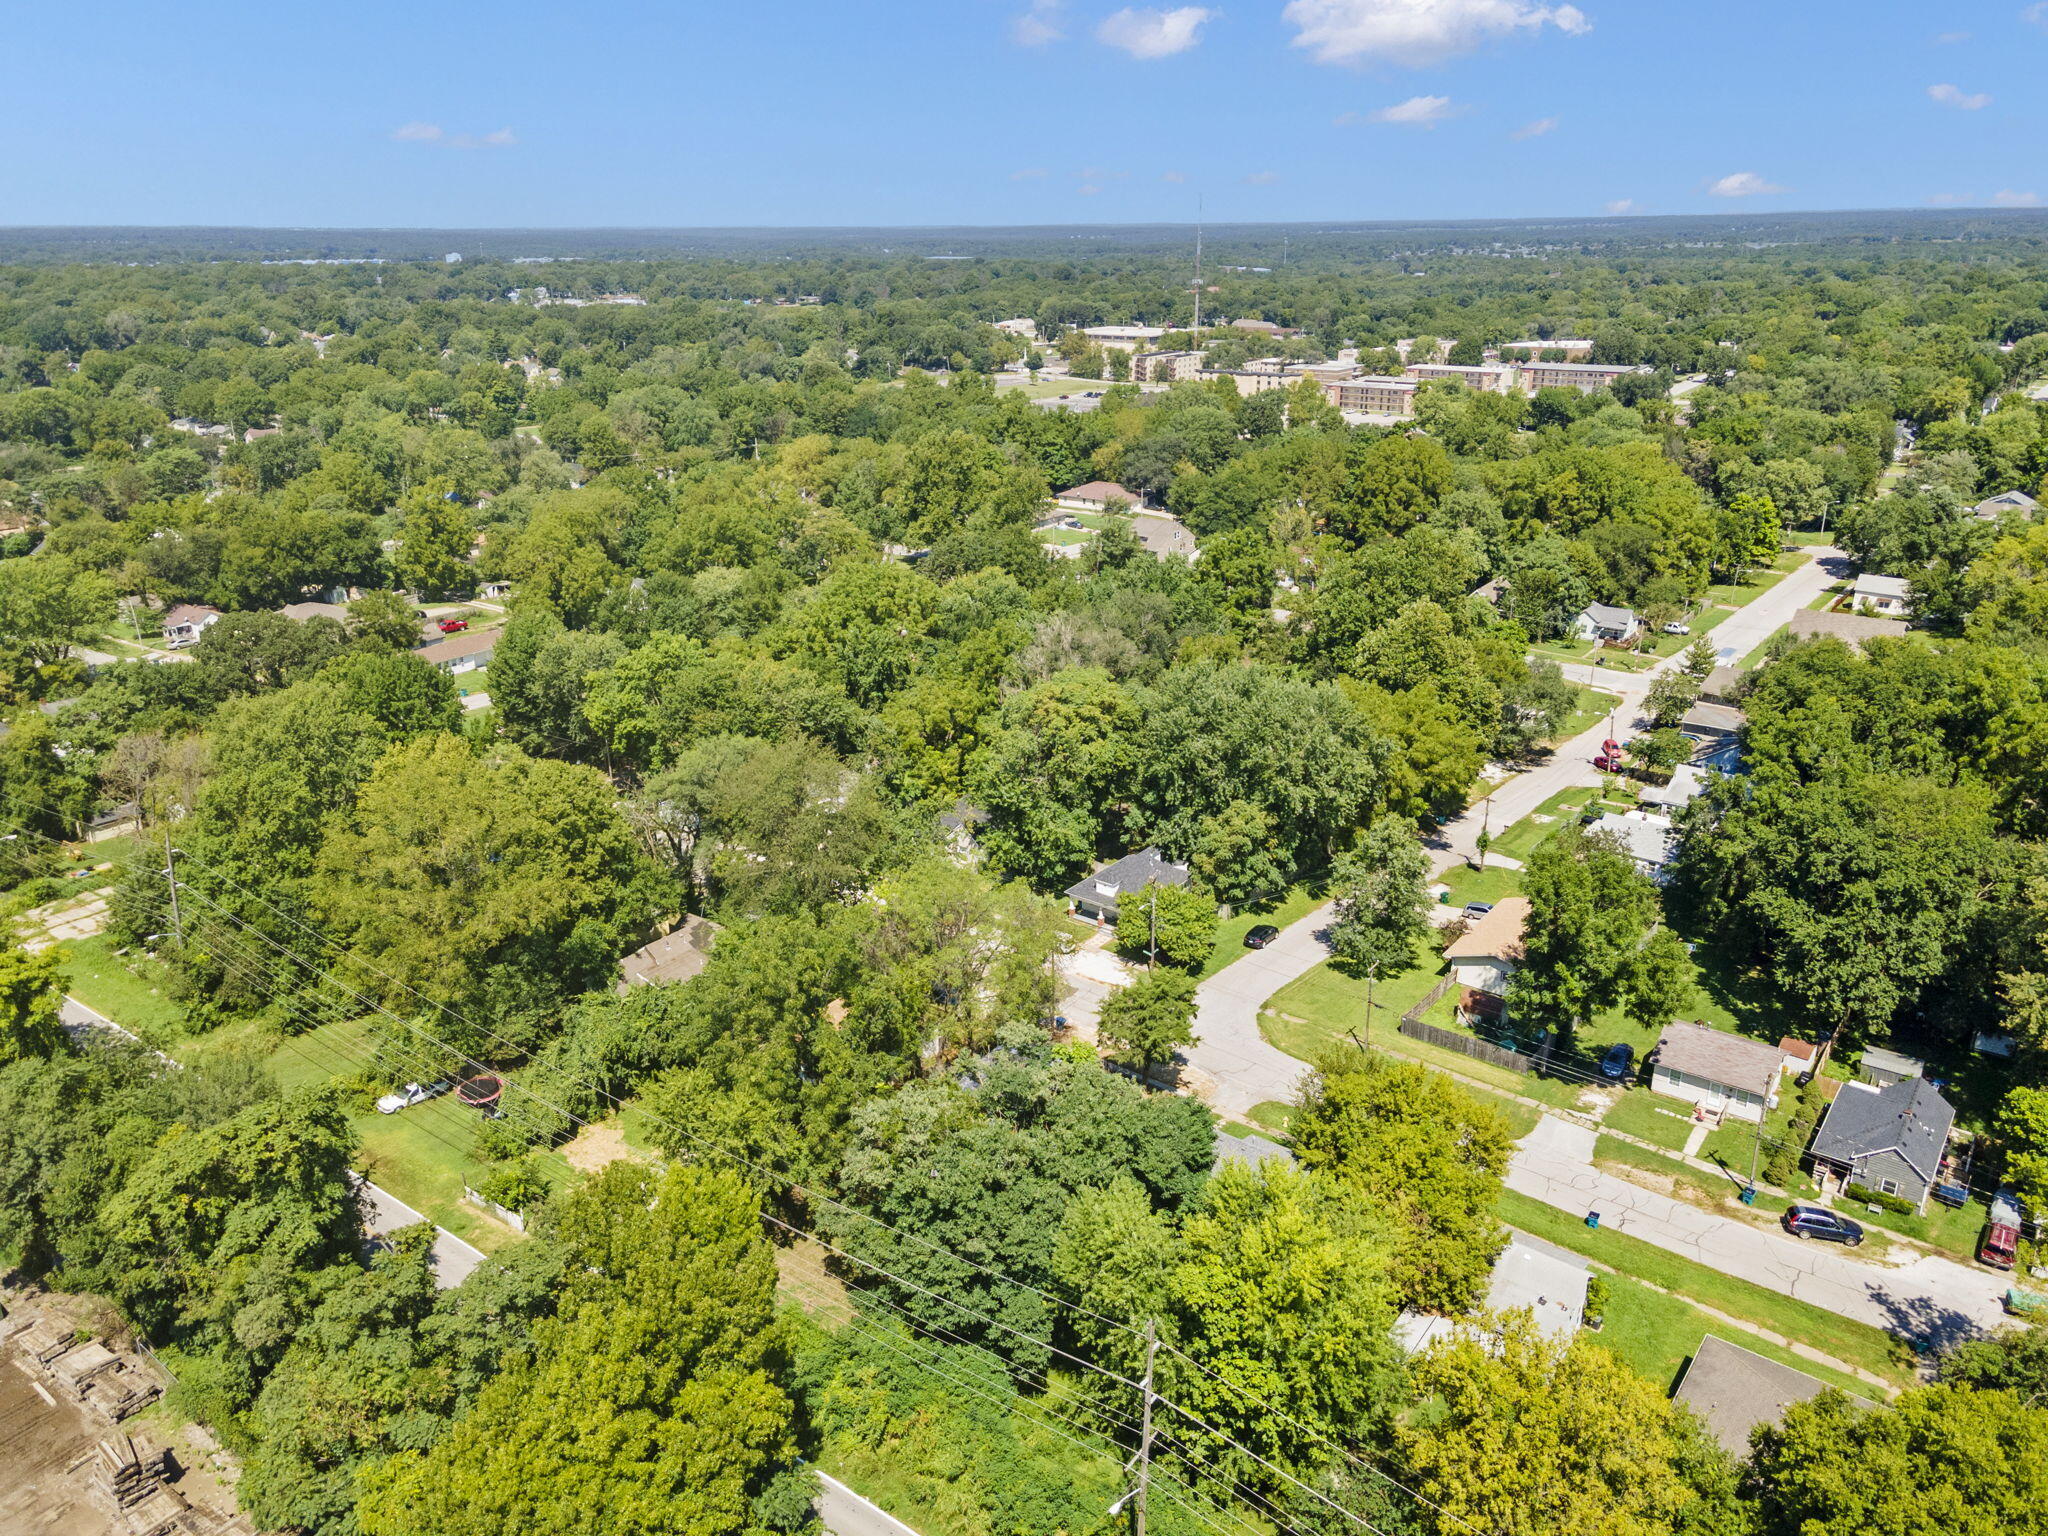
(171,879)
(1145,1431)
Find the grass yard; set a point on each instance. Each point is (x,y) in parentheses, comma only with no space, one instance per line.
(1467,885)
(1275,1118)
(1592,706)
(1044,389)
(1522,839)
(1657,1335)
(1640,1112)
(130,989)
(1065,535)
(1855,1343)
(1682,1181)
(1331,1006)
(1297,903)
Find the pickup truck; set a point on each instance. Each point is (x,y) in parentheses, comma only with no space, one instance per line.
(409,1095)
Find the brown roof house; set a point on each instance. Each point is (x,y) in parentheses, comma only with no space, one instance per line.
(1733,1390)
(1484,957)
(1727,1074)
(1097,496)
(674,956)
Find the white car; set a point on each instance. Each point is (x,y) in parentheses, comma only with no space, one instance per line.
(409,1095)
(1676,628)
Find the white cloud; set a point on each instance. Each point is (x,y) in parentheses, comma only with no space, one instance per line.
(1534,130)
(1743,184)
(2036,15)
(2015,199)
(432,133)
(1622,205)
(1417,33)
(1037,25)
(1029,173)
(1415,112)
(1954,96)
(1262,178)
(1089,189)
(1152,34)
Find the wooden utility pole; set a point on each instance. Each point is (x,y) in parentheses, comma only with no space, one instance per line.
(1145,1431)
(171,880)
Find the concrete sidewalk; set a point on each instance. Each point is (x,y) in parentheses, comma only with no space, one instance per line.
(1927,1299)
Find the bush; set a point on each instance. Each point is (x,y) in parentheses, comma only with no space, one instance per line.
(516,1186)
(1596,1300)
(1884,1202)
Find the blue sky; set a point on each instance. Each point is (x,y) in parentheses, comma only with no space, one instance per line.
(1011,111)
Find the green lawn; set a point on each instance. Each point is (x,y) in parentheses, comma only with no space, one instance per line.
(1711,1191)
(1298,902)
(1065,535)
(1657,1336)
(1467,885)
(130,989)
(1041,389)
(1592,706)
(1522,839)
(1331,1007)
(1855,1343)
(1274,1117)
(1642,1113)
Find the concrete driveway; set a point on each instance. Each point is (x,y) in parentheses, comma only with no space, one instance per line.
(1926,1298)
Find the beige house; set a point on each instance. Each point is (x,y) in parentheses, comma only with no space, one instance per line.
(1483,958)
(1889,597)
(1852,629)
(1726,1074)
(675,956)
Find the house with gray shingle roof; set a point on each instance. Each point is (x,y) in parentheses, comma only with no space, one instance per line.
(1889,1139)
(1095,896)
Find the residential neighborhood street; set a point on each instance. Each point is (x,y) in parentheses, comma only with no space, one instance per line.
(1930,1299)
(1232,1063)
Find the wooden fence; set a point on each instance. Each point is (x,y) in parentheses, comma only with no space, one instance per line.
(1465,1045)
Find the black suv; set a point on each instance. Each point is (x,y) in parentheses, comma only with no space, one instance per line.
(1260,936)
(1819,1222)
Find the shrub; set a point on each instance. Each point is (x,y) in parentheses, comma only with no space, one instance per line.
(1884,1202)
(1596,1300)
(516,1186)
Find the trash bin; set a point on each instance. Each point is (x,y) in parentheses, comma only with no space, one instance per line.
(1592,1218)
(1749,1195)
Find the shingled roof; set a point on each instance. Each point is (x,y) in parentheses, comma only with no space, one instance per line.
(1909,1117)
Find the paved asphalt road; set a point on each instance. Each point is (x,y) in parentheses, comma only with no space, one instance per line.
(383,1212)
(1232,1062)
(1929,1298)
(846,1513)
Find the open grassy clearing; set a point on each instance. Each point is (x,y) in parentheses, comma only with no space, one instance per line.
(1854,1343)
(1640,1112)
(130,989)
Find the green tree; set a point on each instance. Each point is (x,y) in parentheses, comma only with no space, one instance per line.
(1428,1153)
(435,533)
(1382,891)
(49,604)
(384,618)
(1152,1017)
(1176,923)
(31,986)
(1234,858)
(656,1402)
(1527,1435)
(1940,1459)
(1671,695)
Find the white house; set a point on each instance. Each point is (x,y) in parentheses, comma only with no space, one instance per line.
(1889,597)
(1095,896)
(1727,1074)
(184,624)
(1644,835)
(1485,956)
(1097,496)
(1610,626)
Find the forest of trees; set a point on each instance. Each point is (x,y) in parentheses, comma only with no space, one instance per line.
(776,608)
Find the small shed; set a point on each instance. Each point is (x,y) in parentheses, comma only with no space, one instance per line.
(1882,1068)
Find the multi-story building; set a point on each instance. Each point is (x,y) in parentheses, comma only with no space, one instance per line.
(1165,367)
(1492,377)
(1584,377)
(1125,338)
(1374,395)
(1248,382)
(1574,348)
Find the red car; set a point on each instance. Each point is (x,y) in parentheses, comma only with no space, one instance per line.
(1609,760)
(453,626)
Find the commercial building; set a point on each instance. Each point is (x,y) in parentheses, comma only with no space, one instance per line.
(1125,338)
(1574,348)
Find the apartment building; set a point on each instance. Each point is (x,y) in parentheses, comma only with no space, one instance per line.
(1488,376)
(1574,348)
(1374,395)
(1584,377)
(1165,367)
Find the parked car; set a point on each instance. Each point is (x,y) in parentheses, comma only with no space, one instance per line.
(409,1095)
(1817,1221)
(1677,628)
(2000,1247)
(1477,909)
(452,626)
(1259,936)
(1615,1063)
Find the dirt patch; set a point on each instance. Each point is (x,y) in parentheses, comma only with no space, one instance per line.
(596,1146)
(801,1277)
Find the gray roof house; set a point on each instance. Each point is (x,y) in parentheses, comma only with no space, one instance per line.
(1597,621)
(1888,1139)
(460,653)
(1733,1390)
(1095,895)
(1852,629)
(1991,507)
(675,956)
